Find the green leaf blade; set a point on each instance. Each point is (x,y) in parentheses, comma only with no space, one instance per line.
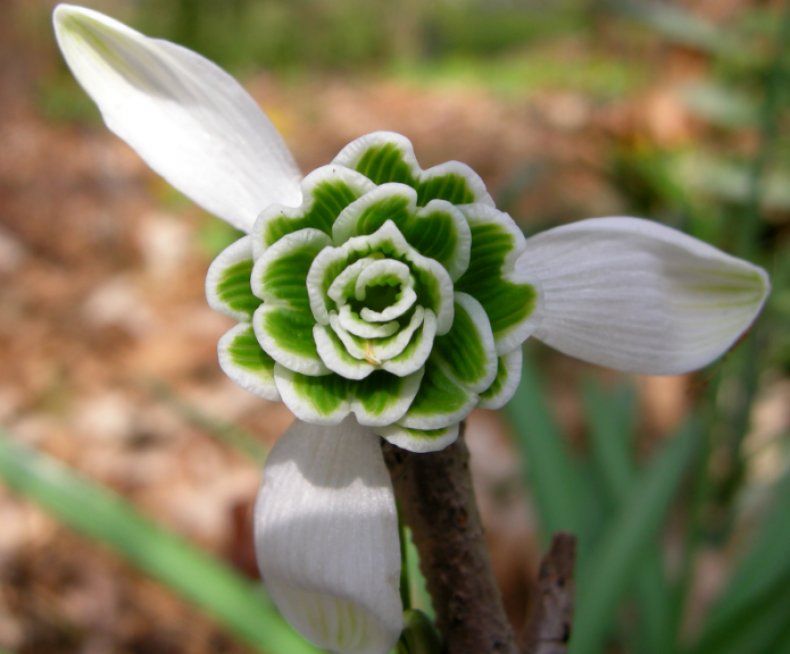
(612,565)
(240,605)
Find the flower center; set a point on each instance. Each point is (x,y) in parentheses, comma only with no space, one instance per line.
(384,290)
(378,297)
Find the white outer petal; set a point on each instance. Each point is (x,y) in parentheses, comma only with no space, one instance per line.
(188,119)
(637,296)
(326,537)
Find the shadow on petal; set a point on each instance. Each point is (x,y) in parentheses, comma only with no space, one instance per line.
(326,537)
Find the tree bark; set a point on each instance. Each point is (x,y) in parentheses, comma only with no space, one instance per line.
(434,493)
(548,629)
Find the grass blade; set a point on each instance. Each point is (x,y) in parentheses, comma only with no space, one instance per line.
(612,566)
(214,587)
(550,471)
(611,418)
(225,432)
(755,628)
(761,573)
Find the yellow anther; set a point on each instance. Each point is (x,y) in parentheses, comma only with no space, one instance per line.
(369,356)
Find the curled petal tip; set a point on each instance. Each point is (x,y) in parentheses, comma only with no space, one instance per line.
(327,540)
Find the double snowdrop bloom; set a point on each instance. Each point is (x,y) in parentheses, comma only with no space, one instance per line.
(378,298)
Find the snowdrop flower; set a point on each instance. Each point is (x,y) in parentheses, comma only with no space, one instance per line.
(374,297)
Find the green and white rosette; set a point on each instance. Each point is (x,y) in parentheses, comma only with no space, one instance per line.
(391,293)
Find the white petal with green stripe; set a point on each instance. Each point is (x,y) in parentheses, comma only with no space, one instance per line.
(438,230)
(395,202)
(454,182)
(228,287)
(382,157)
(506,381)
(419,440)
(384,349)
(382,398)
(440,402)
(327,191)
(432,284)
(378,351)
(417,350)
(468,349)
(280,274)
(351,321)
(323,400)
(286,334)
(341,355)
(506,294)
(377,400)
(401,354)
(386,157)
(244,361)
(385,290)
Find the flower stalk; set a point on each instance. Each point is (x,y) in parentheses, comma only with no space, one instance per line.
(447,531)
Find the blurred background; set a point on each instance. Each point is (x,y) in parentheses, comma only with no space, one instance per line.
(129,463)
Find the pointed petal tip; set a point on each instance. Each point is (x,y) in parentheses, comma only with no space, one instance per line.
(189,120)
(640,297)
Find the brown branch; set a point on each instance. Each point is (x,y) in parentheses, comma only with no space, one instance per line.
(435,494)
(548,629)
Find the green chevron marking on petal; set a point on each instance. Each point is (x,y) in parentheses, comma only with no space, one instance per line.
(438,231)
(384,349)
(382,398)
(234,288)
(440,401)
(394,202)
(228,287)
(327,191)
(468,349)
(452,187)
(491,279)
(505,382)
(385,162)
(351,321)
(286,335)
(336,356)
(432,285)
(280,275)
(324,400)
(334,270)
(376,351)
(419,440)
(384,291)
(434,290)
(441,232)
(243,360)
(416,352)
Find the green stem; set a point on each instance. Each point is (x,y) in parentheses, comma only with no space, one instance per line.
(405,579)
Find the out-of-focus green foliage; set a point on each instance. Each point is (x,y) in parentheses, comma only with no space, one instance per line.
(728,187)
(239,604)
